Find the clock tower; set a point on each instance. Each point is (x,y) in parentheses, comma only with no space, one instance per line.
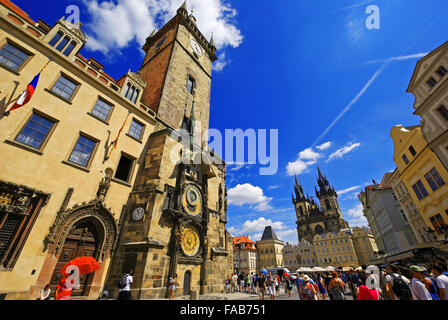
(175,219)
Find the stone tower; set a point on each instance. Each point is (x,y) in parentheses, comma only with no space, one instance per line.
(175,218)
(313,218)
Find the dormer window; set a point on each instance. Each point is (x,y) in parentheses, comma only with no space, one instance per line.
(56,38)
(131,93)
(63,43)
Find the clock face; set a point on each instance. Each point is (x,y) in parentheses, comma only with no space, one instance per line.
(192,200)
(196,47)
(138,214)
(190,241)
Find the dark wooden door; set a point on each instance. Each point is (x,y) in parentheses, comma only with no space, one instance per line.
(187,281)
(81,242)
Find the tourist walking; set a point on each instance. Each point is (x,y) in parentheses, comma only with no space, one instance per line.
(63,292)
(288,286)
(419,291)
(442,281)
(353,283)
(366,293)
(431,284)
(261,283)
(172,288)
(234,283)
(309,292)
(125,286)
(270,282)
(336,287)
(45,293)
(228,284)
(321,286)
(398,287)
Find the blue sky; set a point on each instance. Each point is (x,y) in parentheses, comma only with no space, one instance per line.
(291,65)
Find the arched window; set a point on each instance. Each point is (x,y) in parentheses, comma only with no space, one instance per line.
(63,43)
(128,87)
(301,211)
(70,48)
(131,93)
(55,39)
(137,93)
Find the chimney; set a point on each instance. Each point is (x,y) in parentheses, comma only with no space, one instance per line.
(248,237)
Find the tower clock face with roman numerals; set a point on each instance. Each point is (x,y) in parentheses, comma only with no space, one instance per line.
(192,200)
(196,47)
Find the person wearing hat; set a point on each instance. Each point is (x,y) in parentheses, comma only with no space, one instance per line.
(419,291)
(309,292)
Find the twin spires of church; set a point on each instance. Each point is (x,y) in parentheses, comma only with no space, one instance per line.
(325,189)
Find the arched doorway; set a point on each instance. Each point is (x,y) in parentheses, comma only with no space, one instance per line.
(187,283)
(82,241)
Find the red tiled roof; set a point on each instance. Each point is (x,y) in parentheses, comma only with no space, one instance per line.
(17,10)
(243,239)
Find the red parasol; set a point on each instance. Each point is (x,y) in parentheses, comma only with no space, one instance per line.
(286,275)
(85,265)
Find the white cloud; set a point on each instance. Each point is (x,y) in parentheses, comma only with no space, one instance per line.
(274,187)
(348,190)
(253,226)
(115,25)
(343,151)
(356,217)
(307,158)
(221,62)
(309,154)
(246,193)
(325,146)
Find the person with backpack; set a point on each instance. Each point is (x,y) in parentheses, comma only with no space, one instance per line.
(419,291)
(308,292)
(125,286)
(397,285)
(442,281)
(336,287)
(353,283)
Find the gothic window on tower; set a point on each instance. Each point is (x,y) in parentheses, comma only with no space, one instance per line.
(125,168)
(159,44)
(191,85)
(327,203)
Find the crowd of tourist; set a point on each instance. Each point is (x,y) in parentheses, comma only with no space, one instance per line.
(395,281)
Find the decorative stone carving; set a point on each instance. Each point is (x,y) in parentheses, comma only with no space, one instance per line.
(137,79)
(99,215)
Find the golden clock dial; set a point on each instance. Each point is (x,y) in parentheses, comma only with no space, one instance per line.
(190,241)
(192,200)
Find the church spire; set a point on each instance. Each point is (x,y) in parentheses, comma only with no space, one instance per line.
(325,189)
(300,195)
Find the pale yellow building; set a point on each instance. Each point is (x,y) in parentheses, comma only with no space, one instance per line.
(424,176)
(365,245)
(336,249)
(62,196)
(270,250)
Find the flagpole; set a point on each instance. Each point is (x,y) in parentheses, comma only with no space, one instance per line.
(6,113)
(115,142)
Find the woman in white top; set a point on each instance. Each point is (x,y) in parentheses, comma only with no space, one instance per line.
(173,282)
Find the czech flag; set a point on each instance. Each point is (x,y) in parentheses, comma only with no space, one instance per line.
(27,94)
